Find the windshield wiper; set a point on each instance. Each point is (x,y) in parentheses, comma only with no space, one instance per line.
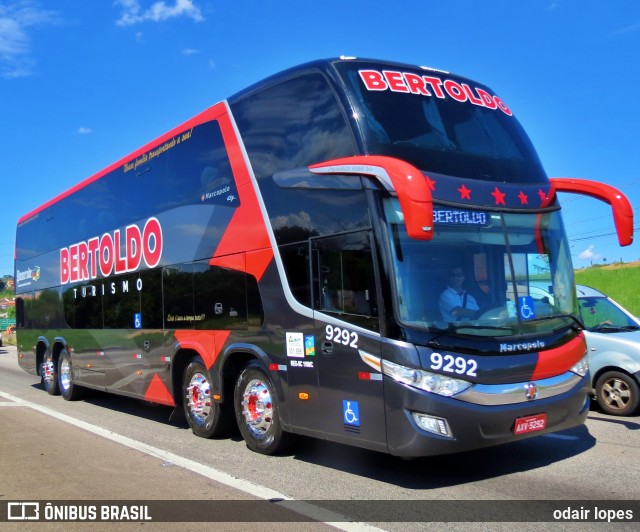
(556,316)
(454,328)
(605,327)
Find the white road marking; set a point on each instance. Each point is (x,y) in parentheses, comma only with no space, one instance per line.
(315,512)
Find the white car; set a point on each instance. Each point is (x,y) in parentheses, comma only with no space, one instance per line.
(613,341)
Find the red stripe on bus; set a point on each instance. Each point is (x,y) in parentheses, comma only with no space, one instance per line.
(246,230)
(556,361)
(157,392)
(206,343)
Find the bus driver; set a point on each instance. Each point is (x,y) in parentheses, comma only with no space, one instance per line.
(455,303)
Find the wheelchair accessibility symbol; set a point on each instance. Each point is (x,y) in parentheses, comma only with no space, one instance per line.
(351,413)
(525,306)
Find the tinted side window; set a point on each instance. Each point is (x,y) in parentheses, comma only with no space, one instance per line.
(46,310)
(122,302)
(295,258)
(200,296)
(151,298)
(220,298)
(299,214)
(292,124)
(344,279)
(23,310)
(177,282)
(255,311)
(191,168)
(83,306)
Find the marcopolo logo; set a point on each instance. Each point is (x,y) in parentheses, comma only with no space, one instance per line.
(112,253)
(525,346)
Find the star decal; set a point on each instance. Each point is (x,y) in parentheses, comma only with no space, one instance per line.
(465,193)
(524,199)
(499,196)
(542,194)
(430,183)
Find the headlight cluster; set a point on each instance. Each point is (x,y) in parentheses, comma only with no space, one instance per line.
(582,367)
(424,380)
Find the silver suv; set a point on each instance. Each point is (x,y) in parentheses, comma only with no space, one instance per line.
(613,340)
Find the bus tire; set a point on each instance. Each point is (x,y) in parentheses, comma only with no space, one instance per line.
(69,390)
(617,393)
(49,373)
(257,411)
(205,417)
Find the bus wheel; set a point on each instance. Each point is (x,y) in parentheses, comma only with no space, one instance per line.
(617,393)
(257,411)
(50,375)
(69,390)
(206,417)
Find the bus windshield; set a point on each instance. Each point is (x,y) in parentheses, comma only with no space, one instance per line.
(484,273)
(440,123)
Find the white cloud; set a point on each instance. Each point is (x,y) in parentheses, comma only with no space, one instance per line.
(132,13)
(16,18)
(588,254)
(84,130)
(190,51)
(632,28)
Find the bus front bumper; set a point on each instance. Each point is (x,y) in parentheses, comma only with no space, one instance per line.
(473,425)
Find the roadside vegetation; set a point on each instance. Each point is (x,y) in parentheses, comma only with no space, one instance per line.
(620,282)
(8,338)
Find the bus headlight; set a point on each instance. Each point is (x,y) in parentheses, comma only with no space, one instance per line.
(582,367)
(424,380)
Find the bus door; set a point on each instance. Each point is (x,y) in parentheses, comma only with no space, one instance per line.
(345,305)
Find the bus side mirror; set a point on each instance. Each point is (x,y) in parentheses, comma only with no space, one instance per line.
(622,211)
(399,178)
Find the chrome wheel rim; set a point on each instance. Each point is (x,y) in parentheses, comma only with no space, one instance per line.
(199,398)
(48,373)
(257,407)
(65,374)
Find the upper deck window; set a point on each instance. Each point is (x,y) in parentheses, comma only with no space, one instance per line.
(292,124)
(193,168)
(440,123)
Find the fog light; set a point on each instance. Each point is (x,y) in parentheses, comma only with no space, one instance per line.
(436,425)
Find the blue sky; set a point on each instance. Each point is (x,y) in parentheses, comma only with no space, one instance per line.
(83,83)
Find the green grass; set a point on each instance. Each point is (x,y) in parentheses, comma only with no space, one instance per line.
(621,283)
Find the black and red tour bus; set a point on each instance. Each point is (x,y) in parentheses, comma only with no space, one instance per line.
(353,250)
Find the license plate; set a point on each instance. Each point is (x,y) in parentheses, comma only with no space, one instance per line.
(530,424)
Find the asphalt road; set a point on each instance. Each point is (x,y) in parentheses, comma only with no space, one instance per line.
(106,448)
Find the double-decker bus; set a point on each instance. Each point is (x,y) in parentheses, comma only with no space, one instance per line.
(346,250)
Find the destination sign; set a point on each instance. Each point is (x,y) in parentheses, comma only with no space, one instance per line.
(458,217)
